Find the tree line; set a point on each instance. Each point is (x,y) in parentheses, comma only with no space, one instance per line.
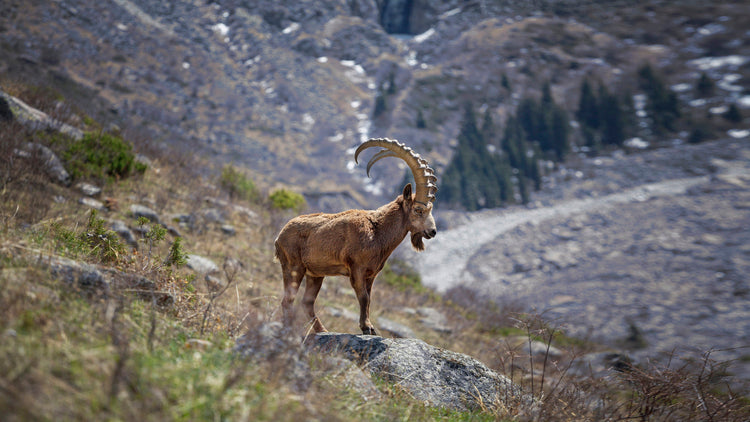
(494,166)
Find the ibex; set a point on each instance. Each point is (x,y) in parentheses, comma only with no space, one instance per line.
(356,243)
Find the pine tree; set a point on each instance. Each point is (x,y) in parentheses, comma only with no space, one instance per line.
(662,103)
(705,86)
(612,119)
(588,109)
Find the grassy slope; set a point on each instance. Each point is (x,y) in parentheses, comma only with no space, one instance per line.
(71,354)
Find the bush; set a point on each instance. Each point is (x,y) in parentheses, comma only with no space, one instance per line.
(95,242)
(102,156)
(287,200)
(237,184)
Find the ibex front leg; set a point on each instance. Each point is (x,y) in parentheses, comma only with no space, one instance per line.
(362,288)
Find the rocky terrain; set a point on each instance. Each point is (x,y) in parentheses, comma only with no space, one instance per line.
(286,89)
(645,252)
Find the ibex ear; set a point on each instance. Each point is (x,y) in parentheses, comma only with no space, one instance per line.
(407,192)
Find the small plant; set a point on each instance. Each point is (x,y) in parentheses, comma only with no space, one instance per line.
(237,184)
(177,255)
(283,199)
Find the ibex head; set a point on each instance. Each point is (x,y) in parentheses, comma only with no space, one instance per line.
(418,206)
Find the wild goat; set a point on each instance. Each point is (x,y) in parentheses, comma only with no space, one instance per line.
(356,243)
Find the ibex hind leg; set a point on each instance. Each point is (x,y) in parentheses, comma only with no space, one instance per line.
(312,288)
(292,281)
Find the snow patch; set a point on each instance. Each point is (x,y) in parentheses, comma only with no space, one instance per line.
(424,36)
(220,29)
(738,133)
(291,28)
(636,143)
(710,63)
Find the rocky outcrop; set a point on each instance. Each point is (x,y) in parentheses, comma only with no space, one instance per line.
(101,280)
(51,163)
(436,376)
(33,118)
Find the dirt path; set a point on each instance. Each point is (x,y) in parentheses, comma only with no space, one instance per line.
(443,263)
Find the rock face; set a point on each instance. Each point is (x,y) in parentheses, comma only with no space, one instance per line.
(436,376)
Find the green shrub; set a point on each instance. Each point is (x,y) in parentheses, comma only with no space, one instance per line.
(237,184)
(95,241)
(102,156)
(287,200)
(400,275)
(177,255)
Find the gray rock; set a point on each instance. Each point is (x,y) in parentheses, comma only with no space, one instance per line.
(52,164)
(538,348)
(91,203)
(599,365)
(393,327)
(352,376)
(37,120)
(102,280)
(434,319)
(124,231)
(271,342)
(88,189)
(430,374)
(211,215)
(201,265)
(143,211)
(228,229)
(83,275)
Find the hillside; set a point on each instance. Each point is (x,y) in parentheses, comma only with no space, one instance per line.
(286,90)
(150,153)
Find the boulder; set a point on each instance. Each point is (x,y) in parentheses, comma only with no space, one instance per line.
(436,376)
(92,203)
(434,319)
(396,329)
(124,231)
(144,211)
(53,166)
(35,119)
(88,189)
(201,264)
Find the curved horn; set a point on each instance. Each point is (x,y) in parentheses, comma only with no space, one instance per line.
(424,176)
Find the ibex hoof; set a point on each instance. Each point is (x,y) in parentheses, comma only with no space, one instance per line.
(369,331)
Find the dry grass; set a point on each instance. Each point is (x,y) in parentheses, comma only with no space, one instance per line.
(73,354)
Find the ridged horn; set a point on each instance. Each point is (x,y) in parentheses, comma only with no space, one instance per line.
(424,176)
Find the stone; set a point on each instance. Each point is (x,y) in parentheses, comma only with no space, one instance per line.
(92,203)
(88,189)
(352,376)
(53,166)
(396,329)
(599,365)
(144,211)
(119,227)
(538,348)
(430,374)
(228,229)
(434,320)
(201,265)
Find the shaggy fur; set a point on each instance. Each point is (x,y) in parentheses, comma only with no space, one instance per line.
(354,243)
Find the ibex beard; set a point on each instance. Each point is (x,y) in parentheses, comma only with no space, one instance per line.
(355,243)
